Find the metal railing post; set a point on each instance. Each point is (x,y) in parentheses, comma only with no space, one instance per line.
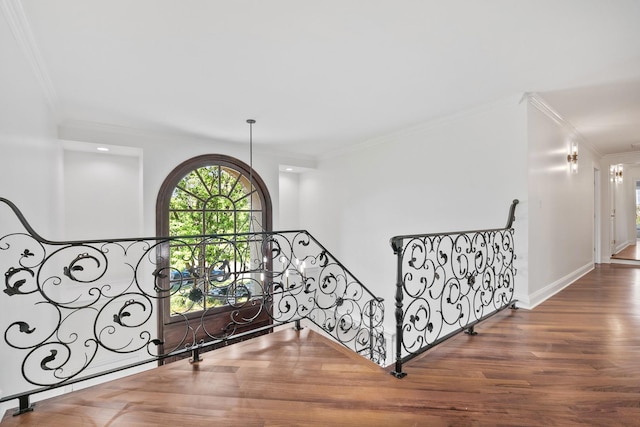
(371,330)
(195,354)
(397,249)
(25,406)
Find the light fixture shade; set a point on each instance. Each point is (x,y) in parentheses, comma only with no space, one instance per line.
(616,173)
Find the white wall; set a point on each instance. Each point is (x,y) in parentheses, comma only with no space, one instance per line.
(458,173)
(29,168)
(561,205)
(289,185)
(29,153)
(102,195)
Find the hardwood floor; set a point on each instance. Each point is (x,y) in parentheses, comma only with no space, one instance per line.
(631,252)
(572,361)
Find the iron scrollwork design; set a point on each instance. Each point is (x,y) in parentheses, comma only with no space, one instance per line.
(448,282)
(73,299)
(452,281)
(74,307)
(309,283)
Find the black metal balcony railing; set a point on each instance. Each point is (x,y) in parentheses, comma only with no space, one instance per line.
(449,282)
(70,309)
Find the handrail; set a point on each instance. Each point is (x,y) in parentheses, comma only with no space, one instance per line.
(74,307)
(452,281)
(510,219)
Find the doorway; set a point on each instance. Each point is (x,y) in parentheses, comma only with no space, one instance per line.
(632,251)
(637,186)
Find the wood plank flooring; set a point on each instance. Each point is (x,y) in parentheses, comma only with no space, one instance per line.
(631,252)
(572,361)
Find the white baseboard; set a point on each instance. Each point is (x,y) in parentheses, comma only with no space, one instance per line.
(550,290)
(624,261)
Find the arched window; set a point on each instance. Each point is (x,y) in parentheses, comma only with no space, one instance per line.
(210,195)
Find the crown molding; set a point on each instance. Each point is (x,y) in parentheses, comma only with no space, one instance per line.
(420,127)
(629,157)
(21,30)
(539,103)
(99,128)
(106,133)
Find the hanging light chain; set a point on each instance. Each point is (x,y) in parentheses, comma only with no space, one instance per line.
(251,122)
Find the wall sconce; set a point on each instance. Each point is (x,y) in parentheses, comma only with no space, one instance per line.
(616,173)
(572,158)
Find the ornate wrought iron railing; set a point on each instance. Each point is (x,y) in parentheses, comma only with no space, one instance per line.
(82,309)
(449,282)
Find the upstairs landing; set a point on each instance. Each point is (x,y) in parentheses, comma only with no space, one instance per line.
(572,361)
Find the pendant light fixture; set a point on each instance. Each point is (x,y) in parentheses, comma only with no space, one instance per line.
(251,218)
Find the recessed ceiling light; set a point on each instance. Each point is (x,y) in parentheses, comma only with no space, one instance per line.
(289,169)
(102,149)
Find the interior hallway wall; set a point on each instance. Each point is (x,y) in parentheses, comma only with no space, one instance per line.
(289,185)
(561,205)
(30,159)
(102,195)
(458,173)
(29,152)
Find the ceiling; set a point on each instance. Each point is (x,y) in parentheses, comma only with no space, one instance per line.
(320,75)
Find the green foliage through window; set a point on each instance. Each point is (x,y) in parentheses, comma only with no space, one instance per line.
(209,201)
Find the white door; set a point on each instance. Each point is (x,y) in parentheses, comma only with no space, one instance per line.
(612,203)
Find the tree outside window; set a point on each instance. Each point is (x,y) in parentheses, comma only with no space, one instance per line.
(212,201)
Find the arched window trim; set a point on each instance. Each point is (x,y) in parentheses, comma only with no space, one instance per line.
(170,182)
(164,197)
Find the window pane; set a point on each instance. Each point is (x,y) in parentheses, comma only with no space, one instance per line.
(211,200)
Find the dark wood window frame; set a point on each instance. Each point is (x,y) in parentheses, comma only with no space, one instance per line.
(162,214)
